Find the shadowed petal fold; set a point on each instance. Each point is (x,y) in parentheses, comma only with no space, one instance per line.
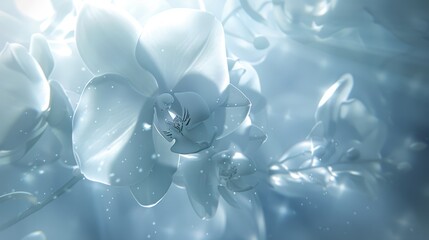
(39,49)
(233,110)
(185,50)
(201,183)
(25,96)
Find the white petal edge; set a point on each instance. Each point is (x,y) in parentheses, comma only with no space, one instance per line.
(39,49)
(201,183)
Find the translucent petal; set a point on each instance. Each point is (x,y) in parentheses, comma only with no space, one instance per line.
(60,120)
(24,98)
(185,50)
(227,196)
(302,154)
(149,192)
(14,27)
(106,39)
(244,76)
(109,142)
(61,111)
(153,188)
(372,145)
(201,183)
(328,109)
(248,138)
(194,140)
(47,149)
(317,131)
(232,111)
(39,49)
(195,105)
(238,185)
(356,114)
(184,145)
(294,187)
(179,180)
(231,158)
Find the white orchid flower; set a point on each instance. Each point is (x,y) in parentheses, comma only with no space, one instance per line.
(36,112)
(161,90)
(345,141)
(222,170)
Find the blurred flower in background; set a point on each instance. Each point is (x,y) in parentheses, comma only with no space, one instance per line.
(232,101)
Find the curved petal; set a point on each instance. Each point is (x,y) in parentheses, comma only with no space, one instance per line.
(233,110)
(227,196)
(188,145)
(39,49)
(358,116)
(329,106)
(247,80)
(150,191)
(239,185)
(182,118)
(61,111)
(179,179)
(248,138)
(232,159)
(195,107)
(24,95)
(185,50)
(106,39)
(110,144)
(201,183)
(60,120)
(47,149)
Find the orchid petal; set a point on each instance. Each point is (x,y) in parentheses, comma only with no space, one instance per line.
(39,49)
(201,183)
(355,113)
(151,190)
(238,185)
(233,110)
(110,144)
(24,94)
(185,50)
(248,138)
(61,111)
(60,120)
(227,196)
(194,105)
(47,149)
(106,39)
(194,140)
(237,160)
(329,106)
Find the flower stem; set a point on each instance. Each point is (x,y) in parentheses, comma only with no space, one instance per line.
(39,205)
